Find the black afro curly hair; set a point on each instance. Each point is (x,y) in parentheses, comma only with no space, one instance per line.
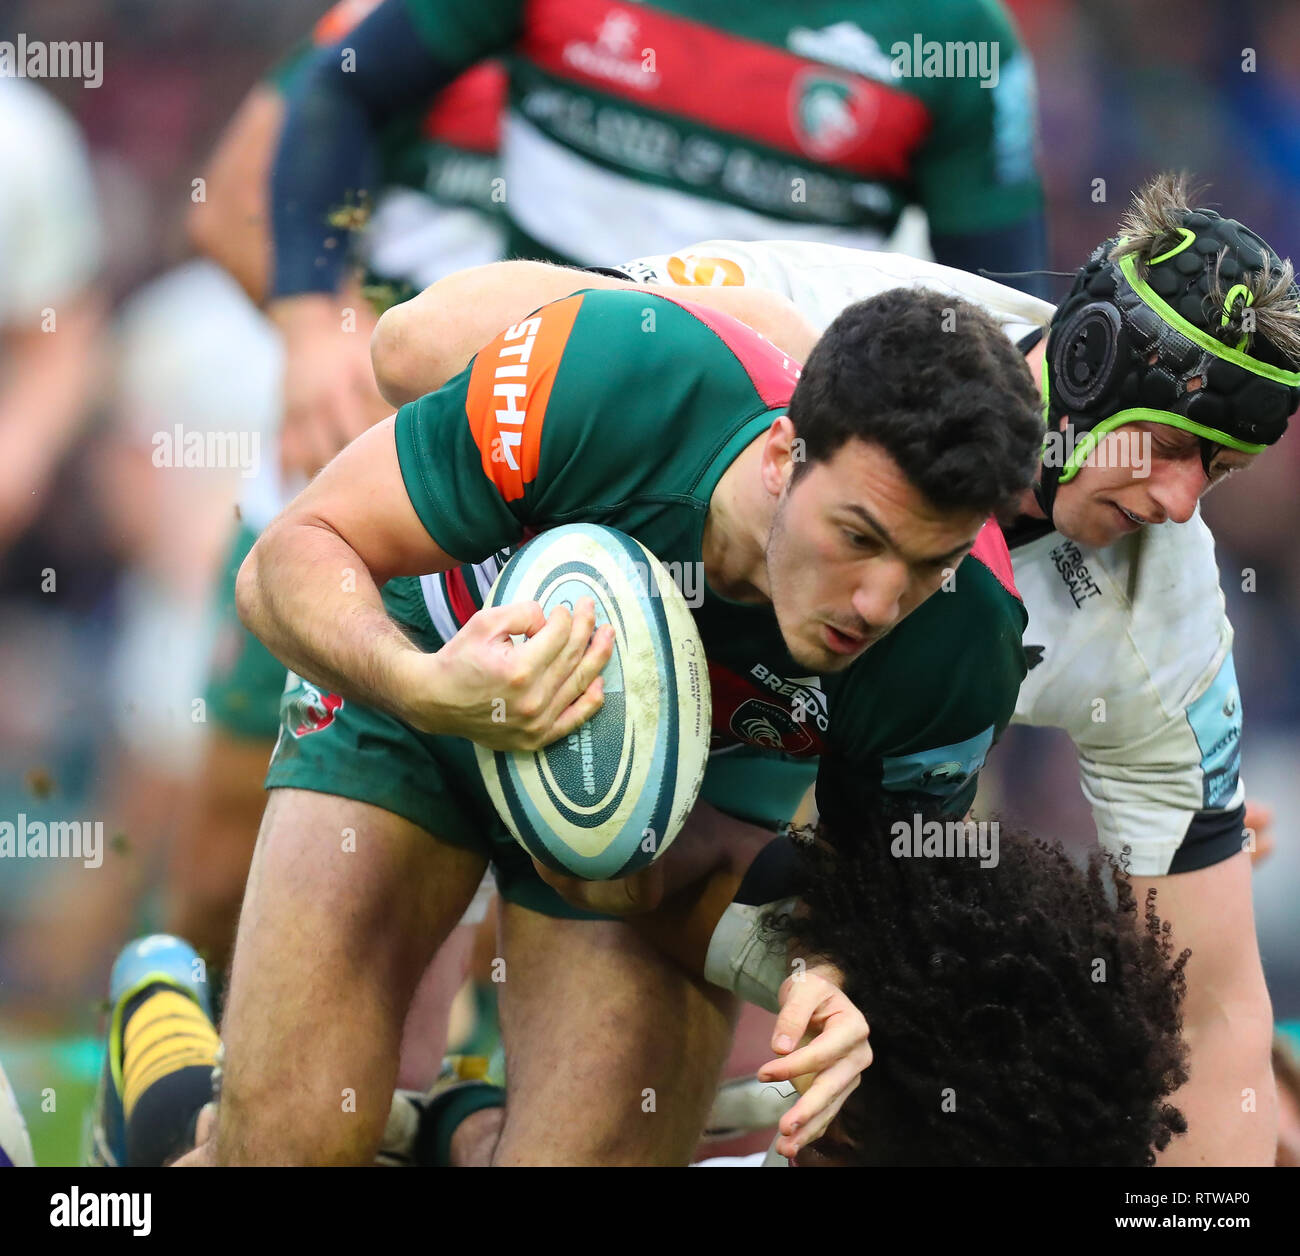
(1020,1014)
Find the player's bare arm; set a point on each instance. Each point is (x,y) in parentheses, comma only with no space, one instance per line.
(1231,1100)
(419,345)
(820,1040)
(310,590)
(230,224)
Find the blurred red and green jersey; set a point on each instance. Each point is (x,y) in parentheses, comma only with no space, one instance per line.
(439,208)
(763,120)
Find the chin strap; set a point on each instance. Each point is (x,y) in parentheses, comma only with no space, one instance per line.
(1045,490)
(1049,478)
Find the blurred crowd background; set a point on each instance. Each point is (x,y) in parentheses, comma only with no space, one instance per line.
(105,561)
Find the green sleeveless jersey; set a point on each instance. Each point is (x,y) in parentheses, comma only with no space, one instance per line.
(625,409)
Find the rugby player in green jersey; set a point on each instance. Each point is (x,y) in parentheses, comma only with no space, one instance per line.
(821,523)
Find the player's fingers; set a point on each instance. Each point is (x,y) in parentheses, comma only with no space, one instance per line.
(500,623)
(809,1131)
(643,890)
(1258,814)
(544,645)
(574,716)
(841,1039)
(585,670)
(826,1094)
(582,623)
(801,997)
(795,1135)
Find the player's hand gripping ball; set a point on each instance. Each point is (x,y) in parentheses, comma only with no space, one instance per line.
(608,799)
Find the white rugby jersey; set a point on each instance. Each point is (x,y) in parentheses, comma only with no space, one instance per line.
(50,242)
(1129,647)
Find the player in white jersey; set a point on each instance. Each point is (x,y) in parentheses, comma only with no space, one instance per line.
(1171,364)
(50,254)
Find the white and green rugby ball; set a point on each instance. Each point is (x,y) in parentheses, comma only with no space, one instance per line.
(609,798)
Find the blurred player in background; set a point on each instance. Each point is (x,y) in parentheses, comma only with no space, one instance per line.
(50,310)
(190,353)
(434,215)
(51,328)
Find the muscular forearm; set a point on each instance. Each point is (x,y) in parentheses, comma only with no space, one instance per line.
(713,854)
(1229,1100)
(307,595)
(229,224)
(419,345)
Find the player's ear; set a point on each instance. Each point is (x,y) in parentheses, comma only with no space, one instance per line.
(781,450)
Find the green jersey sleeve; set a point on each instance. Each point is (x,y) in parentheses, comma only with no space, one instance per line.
(594,402)
(978,170)
(935,704)
(458,34)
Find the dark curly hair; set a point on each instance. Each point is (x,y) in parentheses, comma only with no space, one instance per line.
(1028,999)
(934,381)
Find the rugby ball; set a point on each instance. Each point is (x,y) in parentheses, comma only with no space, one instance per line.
(609,798)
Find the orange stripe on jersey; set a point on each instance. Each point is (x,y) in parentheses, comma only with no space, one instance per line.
(509,389)
(340,19)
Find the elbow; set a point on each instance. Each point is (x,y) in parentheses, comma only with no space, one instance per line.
(247,600)
(401,371)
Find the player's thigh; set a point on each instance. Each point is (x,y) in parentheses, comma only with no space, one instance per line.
(345,906)
(612,1053)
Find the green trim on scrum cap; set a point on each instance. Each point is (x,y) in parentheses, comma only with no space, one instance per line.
(1227,309)
(1088,441)
(1188,237)
(1046,377)
(1128,268)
